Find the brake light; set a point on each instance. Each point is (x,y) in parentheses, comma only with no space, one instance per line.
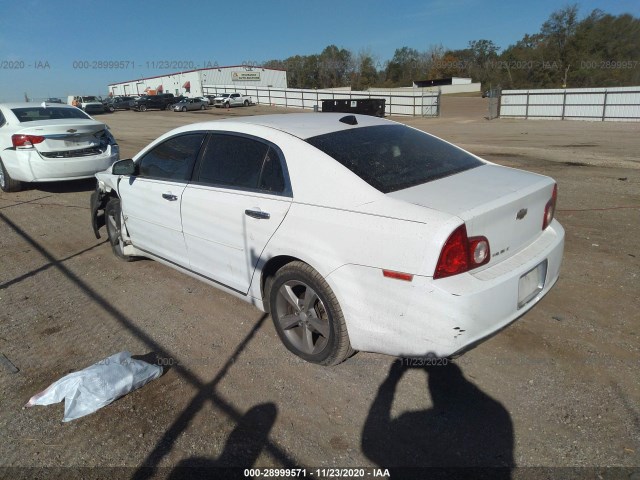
(550,208)
(26,141)
(461,253)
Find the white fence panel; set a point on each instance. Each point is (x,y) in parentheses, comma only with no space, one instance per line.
(551,99)
(604,104)
(412,102)
(591,112)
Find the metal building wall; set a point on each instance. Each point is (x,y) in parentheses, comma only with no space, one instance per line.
(174,82)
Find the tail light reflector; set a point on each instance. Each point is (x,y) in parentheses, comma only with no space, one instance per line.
(397,275)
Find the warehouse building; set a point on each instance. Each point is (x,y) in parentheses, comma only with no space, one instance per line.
(189,83)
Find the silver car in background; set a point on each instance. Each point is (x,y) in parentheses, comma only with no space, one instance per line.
(189,104)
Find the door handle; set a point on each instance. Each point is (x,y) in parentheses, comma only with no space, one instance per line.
(259,214)
(170,196)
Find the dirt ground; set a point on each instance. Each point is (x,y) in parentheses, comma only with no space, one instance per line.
(558,388)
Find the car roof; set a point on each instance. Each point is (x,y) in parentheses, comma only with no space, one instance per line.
(303,125)
(33,105)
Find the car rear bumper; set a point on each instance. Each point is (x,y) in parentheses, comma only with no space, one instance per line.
(442,317)
(30,166)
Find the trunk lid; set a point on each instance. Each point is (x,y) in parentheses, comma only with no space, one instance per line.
(502,204)
(68,135)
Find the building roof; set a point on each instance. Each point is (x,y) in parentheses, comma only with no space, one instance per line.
(196,70)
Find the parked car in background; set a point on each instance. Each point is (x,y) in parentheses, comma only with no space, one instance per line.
(112,104)
(189,104)
(51,142)
(417,247)
(162,101)
(228,100)
(87,103)
(54,100)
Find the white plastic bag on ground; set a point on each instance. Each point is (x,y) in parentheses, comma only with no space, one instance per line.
(86,391)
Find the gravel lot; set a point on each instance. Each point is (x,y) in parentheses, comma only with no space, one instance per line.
(558,388)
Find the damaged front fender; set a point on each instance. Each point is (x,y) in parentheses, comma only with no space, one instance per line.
(98,203)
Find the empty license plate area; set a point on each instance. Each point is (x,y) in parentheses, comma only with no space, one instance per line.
(531,284)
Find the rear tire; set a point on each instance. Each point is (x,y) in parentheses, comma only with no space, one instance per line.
(113,219)
(8,184)
(307,315)
(202,107)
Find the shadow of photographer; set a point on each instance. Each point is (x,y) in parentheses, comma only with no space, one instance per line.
(466,432)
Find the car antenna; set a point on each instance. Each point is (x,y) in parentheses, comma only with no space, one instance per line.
(349,120)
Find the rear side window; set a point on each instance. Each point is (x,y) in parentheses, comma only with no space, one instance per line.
(173,159)
(394,157)
(241,162)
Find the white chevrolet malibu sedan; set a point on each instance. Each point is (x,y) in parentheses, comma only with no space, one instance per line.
(354,232)
(51,142)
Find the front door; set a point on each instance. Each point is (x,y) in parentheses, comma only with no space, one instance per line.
(151,200)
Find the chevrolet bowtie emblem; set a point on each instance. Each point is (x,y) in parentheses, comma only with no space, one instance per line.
(521,214)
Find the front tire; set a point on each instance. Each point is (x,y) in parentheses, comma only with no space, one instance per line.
(113,217)
(246,103)
(184,109)
(307,315)
(8,184)
(143,108)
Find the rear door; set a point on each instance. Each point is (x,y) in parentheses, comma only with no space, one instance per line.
(239,196)
(151,199)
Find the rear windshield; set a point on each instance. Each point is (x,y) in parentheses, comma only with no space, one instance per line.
(394,157)
(33,114)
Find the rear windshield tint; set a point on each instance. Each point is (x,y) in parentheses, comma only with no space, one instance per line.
(33,114)
(394,157)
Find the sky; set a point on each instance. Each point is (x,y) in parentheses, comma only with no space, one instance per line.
(77,47)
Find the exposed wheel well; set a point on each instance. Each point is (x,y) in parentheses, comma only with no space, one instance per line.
(268,272)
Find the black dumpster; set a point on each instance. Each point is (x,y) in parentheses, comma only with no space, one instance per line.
(365,106)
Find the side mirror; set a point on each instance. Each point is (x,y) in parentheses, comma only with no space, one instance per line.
(124,167)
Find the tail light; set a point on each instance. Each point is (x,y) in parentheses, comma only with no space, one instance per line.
(461,253)
(26,141)
(550,208)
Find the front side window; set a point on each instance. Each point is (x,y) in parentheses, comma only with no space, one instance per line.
(173,159)
(241,162)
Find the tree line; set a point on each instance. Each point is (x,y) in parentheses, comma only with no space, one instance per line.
(599,50)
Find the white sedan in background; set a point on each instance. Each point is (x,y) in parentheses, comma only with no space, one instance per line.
(51,142)
(354,232)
